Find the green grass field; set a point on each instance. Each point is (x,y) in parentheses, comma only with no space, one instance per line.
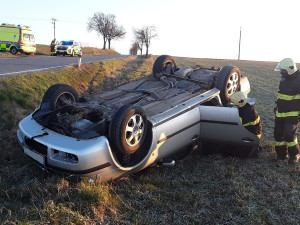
(197,190)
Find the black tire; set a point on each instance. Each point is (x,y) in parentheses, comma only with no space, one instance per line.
(164,63)
(13,50)
(228,82)
(128,130)
(59,95)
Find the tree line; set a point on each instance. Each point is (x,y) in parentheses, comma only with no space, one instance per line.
(107,27)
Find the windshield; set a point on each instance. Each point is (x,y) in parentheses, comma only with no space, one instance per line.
(28,37)
(66,43)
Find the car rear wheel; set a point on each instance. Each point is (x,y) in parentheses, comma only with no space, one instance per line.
(127,131)
(59,95)
(13,50)
(228,82)
(164,64)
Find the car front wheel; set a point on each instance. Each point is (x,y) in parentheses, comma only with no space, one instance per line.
(128,130)
(59,95)
(164,64)
(228,82)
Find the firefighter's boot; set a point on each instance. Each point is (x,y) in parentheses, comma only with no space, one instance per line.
(281,152)
(293,152)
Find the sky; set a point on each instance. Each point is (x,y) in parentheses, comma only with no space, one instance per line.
(188,28)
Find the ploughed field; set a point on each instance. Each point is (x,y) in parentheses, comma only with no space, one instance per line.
(197,190)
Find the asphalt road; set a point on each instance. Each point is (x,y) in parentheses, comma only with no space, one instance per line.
(15,66)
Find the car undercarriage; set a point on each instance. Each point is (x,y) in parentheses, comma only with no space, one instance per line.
(135,124)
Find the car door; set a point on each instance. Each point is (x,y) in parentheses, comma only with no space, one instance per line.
(175,132)
(222,125)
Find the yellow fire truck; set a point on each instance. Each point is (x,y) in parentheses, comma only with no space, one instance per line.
(17,38)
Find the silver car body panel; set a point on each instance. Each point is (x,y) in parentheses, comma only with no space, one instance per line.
(223,125)
(180,123)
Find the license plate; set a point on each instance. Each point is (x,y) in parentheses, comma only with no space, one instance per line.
(35,156)
(61,51)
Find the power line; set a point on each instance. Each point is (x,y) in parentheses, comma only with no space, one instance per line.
(53,22)
(40,19)
(14,18)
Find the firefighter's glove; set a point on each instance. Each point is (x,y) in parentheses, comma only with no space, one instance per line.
(275,109)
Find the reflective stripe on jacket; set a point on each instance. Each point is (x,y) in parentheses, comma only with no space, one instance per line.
(250,119)
(288,100)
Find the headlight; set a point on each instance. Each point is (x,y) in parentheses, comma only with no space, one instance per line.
(63,157)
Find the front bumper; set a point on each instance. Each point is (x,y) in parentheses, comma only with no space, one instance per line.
(28,49)
(64,52)
(65,154)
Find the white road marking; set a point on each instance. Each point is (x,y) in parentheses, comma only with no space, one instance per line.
(54,67)
(36,70)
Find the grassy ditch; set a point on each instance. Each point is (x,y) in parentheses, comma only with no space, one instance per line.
(197,190)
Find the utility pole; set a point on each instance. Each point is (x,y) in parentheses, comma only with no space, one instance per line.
(53,22)
(240,43)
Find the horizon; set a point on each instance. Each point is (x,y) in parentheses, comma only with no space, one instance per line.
(197,29)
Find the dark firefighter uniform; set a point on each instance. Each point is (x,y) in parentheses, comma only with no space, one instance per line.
(251,121)
(287,113)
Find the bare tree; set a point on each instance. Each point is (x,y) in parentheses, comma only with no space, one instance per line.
(139,39)
(144,36)
(150,33)
(115,32)
(99,23)
(134,48)
(106,26)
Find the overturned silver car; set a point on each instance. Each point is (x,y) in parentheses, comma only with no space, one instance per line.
(157,117)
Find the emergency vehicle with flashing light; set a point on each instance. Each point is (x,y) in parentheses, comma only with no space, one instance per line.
(17,38)
(67,48)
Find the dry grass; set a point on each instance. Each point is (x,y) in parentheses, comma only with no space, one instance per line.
(197,190)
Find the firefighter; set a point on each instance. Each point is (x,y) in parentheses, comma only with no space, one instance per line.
(52,46)
(287,111)
(248,114)
(251,121)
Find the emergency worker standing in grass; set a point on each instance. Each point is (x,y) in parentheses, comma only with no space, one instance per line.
(250,120)
(287,111)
